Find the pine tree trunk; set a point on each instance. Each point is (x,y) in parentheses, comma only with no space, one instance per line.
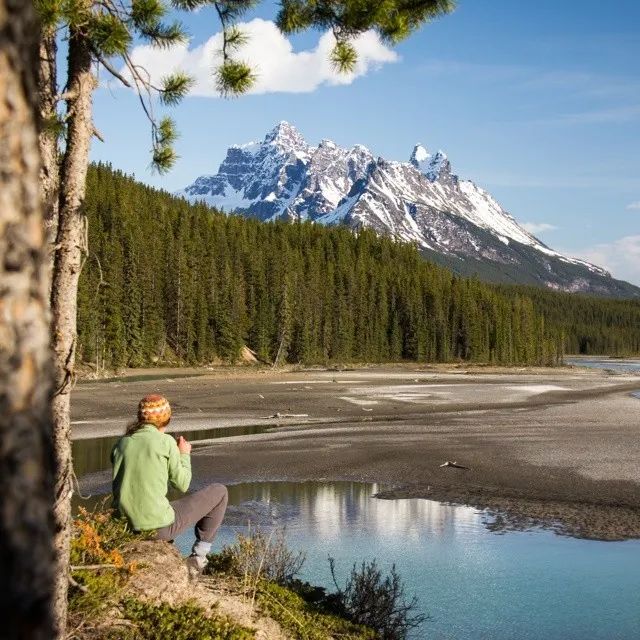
(26,455)
(70,250)
(50,168)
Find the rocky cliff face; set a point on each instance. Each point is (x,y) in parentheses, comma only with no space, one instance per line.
(451,220)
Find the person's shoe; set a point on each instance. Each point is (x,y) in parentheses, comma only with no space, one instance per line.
(196,564)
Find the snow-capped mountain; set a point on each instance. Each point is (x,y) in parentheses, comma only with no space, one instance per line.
(451,220)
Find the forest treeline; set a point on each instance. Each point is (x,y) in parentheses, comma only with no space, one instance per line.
(591,325)
(169,281)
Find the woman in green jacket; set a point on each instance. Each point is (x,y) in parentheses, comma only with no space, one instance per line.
(145,462)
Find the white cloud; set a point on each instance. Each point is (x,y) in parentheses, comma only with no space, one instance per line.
(621,257)
(538,227)
(279,68)
(634,206)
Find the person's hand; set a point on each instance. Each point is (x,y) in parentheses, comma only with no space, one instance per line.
(183,445)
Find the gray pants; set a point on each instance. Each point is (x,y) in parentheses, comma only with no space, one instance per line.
(202,510)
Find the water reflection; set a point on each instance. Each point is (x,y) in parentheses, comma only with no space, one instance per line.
(328,510)
(94,454)
(473,583)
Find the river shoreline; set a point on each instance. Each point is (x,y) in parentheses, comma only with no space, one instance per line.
(545,447)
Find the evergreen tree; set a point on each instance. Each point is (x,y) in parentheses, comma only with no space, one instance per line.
(181,283)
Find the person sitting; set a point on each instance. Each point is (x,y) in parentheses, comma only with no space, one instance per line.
(145,461)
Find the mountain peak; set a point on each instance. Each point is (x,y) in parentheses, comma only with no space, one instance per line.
(432,166)
(421,202)
(439,165)
(419,155)
(282,126)
(285,135)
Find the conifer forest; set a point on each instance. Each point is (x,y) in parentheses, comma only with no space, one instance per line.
(170,282)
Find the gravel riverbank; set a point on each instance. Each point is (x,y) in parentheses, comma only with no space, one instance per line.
(551,447)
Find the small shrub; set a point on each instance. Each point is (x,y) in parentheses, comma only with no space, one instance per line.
(185,622)
(304,620)
(98,536)
(378,602)
(98,570)
(93,593)
(268,570)
(97,606)
(258,556)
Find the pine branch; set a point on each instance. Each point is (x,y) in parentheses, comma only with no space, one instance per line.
(97,134)
(140,85)
(223,21)
(344,56)
(233,77)
(174,88)
(111,69)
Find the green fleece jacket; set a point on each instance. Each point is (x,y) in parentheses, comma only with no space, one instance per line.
(144,464)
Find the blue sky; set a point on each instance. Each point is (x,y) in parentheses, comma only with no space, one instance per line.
(537,102)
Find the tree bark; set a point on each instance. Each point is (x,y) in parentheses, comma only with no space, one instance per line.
(26,454)
(48,139)
(71,248)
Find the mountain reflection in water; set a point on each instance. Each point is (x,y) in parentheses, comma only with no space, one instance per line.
(472,582)
(328,510)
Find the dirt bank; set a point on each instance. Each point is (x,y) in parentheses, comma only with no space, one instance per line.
(556,447)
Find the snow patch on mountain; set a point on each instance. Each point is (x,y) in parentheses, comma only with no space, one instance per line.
(420,201)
